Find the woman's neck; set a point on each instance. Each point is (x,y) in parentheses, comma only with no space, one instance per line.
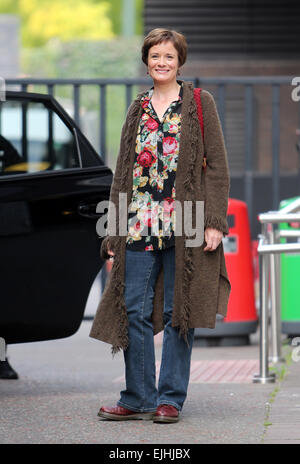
(166,91)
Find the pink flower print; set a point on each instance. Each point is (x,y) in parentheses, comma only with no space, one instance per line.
(146,217)
(146,159)
(137,226)
(169,145)
(151,124)
(145,103)
(173,128)
(168,205)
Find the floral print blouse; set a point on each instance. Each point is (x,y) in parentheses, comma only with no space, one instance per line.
(151,219)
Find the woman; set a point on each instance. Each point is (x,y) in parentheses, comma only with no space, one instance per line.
(158,282)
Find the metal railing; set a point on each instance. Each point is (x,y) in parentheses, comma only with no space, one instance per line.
(269,259)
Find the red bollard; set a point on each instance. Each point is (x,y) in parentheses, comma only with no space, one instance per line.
(239,263)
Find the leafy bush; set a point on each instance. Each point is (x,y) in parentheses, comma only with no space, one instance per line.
(118,58)
(42,20)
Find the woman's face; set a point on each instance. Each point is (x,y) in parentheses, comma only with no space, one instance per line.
(163,62)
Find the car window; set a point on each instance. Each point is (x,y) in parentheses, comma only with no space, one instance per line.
(34,138)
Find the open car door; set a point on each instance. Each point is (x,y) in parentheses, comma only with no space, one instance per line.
(51,180)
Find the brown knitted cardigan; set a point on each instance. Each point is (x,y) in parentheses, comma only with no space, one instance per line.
(201,287)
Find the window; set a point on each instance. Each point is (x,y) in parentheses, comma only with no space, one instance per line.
(34,138)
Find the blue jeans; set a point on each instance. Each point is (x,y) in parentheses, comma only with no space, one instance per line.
(141,394)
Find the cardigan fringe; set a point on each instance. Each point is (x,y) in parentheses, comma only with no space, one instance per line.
(118,286)
(188,267)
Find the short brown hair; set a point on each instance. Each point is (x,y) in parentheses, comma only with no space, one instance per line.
(157,36)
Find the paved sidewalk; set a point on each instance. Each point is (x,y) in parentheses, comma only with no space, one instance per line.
(64,382)
(284,414)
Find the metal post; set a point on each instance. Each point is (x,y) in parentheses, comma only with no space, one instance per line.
(275,302)
(103,122)
(263,376)
(128,95)
(278,298)
(76,103)
(24,132)
(51,155)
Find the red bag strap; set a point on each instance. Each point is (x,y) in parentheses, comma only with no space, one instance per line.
(197,97)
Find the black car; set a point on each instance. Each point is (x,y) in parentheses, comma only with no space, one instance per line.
(51,180)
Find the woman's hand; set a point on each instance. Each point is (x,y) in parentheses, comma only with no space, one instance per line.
(213,238)
(110,252)
(105,250)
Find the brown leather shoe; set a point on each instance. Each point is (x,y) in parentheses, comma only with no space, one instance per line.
(121,414)
(166,413)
